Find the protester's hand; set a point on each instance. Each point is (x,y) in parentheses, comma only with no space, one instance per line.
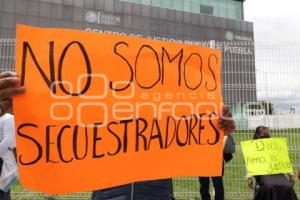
(9,86)
(291,179)
(250,182)
(226,122)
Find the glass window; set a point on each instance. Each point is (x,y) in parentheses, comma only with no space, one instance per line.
(222,8)
(118,6)
(78,25)
(163,14)
(1,5)
(21,7)
(9,6)
(44,22)
(195,6)
(147,2)
(56,11)
(171,14)
(177,5)
(67,24)
(20,19)
(33,8)
(179,16)
(216,8)
(99,5)
(78,14)
(67,12)
(68,2)
(167,3)
(57,1)
(154,12)
(109,5)
(187,6)
(136,9)
(127,8)
(136,23)
(206,2)
(7,33)
(78,3)
(45,1)
(45,10)
(32,20)
(146,11)
(135,1)
(239,13)
(232,11)
(8,21)
(89,4)
(127,21)
(207,9)
(153,2)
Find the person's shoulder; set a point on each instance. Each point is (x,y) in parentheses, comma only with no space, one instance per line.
(7,116)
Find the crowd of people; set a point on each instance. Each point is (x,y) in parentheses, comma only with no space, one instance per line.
(146,190)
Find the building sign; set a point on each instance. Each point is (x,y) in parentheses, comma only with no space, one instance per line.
(236,48)
(229,35)
(103,110)
(102,18)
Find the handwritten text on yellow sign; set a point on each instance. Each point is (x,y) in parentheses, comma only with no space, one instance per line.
(266,156)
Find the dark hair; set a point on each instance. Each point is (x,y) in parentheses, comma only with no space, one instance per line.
(257,130)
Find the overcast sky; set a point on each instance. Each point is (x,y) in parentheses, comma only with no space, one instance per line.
(278,66)
(274,20)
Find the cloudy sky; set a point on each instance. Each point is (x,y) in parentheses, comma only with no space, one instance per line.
(278,66)
(274,20)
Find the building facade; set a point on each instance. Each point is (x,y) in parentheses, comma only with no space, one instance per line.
(210,19)
(193,22)
(232,9)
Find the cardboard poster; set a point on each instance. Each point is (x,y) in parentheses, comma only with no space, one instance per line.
(266,156)
(104,110)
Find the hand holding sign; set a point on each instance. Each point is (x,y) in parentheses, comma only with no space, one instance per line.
(9,83)
(226,122)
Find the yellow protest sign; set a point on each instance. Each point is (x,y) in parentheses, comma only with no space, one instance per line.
(266,156)
(104,110)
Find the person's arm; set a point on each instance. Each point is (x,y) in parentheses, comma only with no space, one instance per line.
(250,182)
(8,133)
(226,122)
(9,86)
(291,178)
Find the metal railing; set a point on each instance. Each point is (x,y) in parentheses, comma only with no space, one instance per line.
(260,83)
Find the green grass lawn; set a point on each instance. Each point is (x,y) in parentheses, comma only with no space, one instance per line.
(188,187)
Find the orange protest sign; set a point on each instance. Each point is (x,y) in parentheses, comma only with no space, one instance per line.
(105,110)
